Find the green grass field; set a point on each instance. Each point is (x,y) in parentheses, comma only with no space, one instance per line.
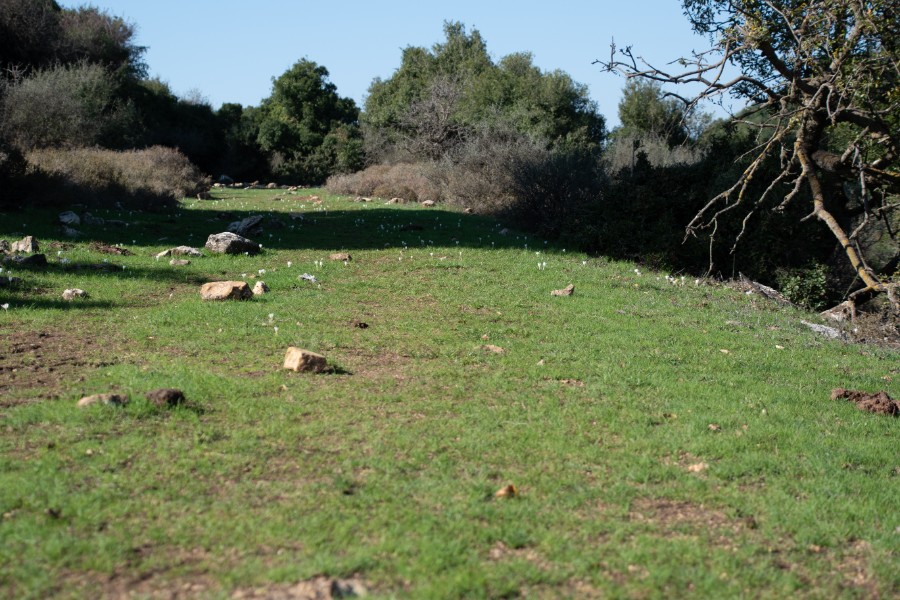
(665,439)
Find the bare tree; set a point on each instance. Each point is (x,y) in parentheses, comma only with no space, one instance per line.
(822,78)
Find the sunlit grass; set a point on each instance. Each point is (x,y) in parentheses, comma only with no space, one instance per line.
(667,437)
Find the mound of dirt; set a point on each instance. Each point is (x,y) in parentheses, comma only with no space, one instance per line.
(879,403)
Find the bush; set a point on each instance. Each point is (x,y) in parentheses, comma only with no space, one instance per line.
(412,182)
(151,179)
(71,106)
(807,287)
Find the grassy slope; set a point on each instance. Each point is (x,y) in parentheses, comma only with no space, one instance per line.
(386,469)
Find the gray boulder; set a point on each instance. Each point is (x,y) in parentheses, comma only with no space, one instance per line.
(248,226)
(230,243)
(69,218)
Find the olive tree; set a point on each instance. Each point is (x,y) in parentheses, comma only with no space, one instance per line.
(821,81)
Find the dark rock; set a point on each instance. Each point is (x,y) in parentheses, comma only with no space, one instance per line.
(165,397)
(35,260)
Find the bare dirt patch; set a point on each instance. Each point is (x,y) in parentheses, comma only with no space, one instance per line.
(674,518)
(317,588)
(879,403)
(42,364)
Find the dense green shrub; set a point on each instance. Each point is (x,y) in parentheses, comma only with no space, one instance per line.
(153,179)
(808,287)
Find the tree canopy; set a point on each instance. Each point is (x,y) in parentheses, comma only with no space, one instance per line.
(821,77)
(437,95)
(302,114)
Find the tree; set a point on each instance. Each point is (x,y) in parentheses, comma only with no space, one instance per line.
(821,78)
(296,119)
(645,109)
(439,96)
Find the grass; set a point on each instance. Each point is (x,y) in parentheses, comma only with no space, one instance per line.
(649,461)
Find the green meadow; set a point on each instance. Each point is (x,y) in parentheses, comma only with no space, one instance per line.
(665,436)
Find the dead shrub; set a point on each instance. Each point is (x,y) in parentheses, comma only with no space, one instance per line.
(151,179)
(412,182)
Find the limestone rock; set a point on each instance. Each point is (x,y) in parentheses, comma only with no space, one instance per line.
(226,290)
(179,262)
(165,397)
(344,256)
(180,251)
(566,291)
(428,203)
(73,293)
(230,243)
(260,288)
(106,399)
(824,330)
(246,226)
(840,313)
(27,244)
(297,359)
(69,218)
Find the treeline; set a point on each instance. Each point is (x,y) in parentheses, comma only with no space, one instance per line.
(77,112)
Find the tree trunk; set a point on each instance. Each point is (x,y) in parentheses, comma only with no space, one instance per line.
(819,210)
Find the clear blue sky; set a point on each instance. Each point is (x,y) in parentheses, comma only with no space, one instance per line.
(229,50)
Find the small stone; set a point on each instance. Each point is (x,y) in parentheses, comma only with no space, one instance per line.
(184,251)
(340,256)
(74,293)
(260,288)
(27,244)
(493,348)
(468,211)
(69,218)
(428,203)
(272,186)
(165,397)
(179,262)
(105,399)
(508,491)
(9,282)
(226,290)
(566,291)
(297,359)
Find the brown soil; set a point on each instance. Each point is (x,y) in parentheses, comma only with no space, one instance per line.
(42,364)
(879,403)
